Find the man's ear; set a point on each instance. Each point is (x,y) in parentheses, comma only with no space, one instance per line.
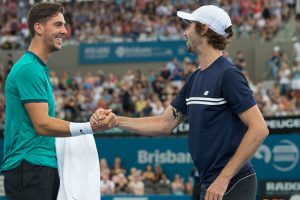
(38,28)
(205,29)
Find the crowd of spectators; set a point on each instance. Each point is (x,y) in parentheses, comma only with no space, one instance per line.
(116,180)
(150,20)
(135,94)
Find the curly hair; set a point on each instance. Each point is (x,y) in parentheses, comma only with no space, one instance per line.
(216,40)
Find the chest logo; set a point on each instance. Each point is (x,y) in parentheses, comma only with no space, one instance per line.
(206,93)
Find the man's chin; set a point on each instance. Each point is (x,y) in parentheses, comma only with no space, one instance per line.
(189,49)
(56,48)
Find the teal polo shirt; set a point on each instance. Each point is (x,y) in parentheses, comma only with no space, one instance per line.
(28,81)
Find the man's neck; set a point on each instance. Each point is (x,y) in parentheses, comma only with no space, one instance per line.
(208,57)
(39,49)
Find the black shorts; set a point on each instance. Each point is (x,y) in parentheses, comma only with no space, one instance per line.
(242,186)
(28,182)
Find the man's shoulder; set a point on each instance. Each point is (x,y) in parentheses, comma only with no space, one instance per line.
(26,65)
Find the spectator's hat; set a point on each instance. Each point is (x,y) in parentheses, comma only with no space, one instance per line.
(187,60)
(276,49)
(214,17)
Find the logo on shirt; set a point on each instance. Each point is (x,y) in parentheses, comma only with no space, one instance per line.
(81,131)
(206,93)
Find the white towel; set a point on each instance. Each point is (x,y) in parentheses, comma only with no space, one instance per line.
(78,168)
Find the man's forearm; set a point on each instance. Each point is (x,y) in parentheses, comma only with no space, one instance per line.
(149,126)
(53,127)
(247,148)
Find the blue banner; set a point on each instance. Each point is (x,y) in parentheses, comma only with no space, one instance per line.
(132,52)
(278,158)
(170,153)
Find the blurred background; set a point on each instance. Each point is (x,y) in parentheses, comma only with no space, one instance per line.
(130,56)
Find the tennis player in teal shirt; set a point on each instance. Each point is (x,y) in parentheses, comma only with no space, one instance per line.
(30,165)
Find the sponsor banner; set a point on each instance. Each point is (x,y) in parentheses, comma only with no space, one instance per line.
(289,124)
(279,189)
(170,153)
(132,52)
(278,157)
(275,124)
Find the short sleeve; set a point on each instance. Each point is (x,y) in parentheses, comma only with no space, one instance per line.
(31,84)
(179,102)
(236,91)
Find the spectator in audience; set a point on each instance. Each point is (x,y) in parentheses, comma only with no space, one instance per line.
(156,105)
(107,186)
(148,179)
(177,185)
(165,73)
(158,173)
(148,175)
(189,186)
(121,184)
(295,81)
(274,62)
(136,185)
(104,167)
(113,22)
(284,78)
(164,185)
(117,167)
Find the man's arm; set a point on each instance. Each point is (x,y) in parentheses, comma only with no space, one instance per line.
(255,135)
(152,126)
(49,126)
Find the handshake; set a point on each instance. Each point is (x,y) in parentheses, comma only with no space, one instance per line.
(103,119)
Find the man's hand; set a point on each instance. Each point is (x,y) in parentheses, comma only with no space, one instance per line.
(217,189)
(102,120)
(99,115)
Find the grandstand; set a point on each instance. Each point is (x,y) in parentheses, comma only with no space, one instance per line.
(94,69)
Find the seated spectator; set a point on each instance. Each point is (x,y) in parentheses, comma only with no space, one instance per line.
(136,185)
(104,167)
(156,105)
(148,178)
(163,186)
(158,173)
(177,185)
(148,174)
(284,76)
(107,186)
(189,186)
(117,167)
(121,184)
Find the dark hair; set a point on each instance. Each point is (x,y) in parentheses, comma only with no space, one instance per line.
(41,12)
(216,40)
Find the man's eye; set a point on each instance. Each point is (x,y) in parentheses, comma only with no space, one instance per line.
(186,23)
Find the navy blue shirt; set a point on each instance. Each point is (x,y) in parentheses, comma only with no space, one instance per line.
(212,100)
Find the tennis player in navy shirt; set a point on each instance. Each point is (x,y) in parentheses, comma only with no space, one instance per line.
(226,126)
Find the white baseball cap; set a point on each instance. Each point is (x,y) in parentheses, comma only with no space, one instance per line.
(214,17)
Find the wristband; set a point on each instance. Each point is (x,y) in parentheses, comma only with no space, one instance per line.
(77,129)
